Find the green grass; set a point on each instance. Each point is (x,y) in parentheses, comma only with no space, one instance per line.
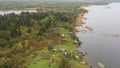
(54,61)
(64,31)
(39,63)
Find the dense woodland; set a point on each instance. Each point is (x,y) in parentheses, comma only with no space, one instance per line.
(23,34)
(23,4)
(17,5)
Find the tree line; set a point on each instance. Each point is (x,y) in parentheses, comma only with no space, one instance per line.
(15,29)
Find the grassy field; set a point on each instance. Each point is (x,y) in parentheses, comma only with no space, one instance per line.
(46,58)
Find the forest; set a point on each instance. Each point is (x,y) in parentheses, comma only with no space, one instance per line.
(23,34)
(25,4)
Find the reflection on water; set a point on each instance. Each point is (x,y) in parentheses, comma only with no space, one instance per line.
(103,43)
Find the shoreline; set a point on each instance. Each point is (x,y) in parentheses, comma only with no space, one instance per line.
(79,22)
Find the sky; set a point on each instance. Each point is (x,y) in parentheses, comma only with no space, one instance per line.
(67,0)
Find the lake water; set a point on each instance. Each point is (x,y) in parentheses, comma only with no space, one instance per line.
(15,11)
(103,43)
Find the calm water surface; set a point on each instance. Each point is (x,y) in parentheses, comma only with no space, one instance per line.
(103,43)
(2,12)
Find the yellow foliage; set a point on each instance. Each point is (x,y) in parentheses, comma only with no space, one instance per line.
(3,60)
(31,48)
(26,42)
(27,51)
(20,45)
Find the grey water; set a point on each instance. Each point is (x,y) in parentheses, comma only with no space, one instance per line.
(103,43)
(2,12)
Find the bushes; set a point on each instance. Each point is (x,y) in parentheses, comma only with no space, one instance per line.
(64,63)
(1,54)
(50,47)
(5,63)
